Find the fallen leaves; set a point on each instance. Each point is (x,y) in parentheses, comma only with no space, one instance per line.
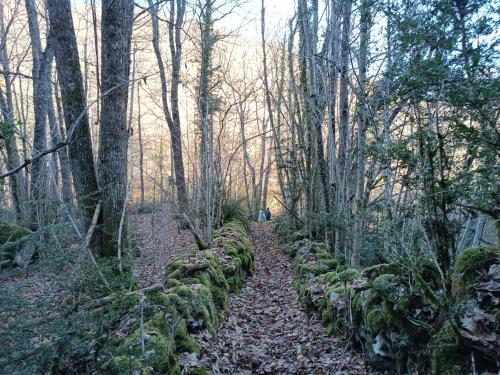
(266,331)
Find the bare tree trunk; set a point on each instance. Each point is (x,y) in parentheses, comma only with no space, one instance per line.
(16,181)
(267,173)
(267,93)
(116,35)
(343,121)
(97,60)
(310,36)
(172,116)
(74,105)
(362,118)
(141,149)
(66,183)
(205,108)
(41,90)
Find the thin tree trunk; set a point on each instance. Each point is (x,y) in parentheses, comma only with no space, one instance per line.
(41,69)
(16,181)
(362,118)
(141,149)
(205,108)
(343,123)
(172,117)
(66,183)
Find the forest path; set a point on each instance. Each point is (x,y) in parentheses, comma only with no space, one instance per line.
(266,331)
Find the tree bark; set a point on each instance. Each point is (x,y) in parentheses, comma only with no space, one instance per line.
(362,118)
(41,91)
(116,35)
(172,115)
(74,104)
(16,181)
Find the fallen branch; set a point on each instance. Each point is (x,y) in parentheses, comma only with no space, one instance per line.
(293,213)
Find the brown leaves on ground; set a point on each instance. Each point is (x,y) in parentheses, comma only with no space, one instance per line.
(266,331)
(159,240)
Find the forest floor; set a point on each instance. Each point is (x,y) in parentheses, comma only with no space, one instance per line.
(266,331)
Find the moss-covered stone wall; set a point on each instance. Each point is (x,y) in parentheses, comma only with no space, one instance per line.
(407,316)
(146,329)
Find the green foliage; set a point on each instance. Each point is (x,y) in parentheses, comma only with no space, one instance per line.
(285,226)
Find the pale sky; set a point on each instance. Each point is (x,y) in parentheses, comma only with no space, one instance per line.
(278,12)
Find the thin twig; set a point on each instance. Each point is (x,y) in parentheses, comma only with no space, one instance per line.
(88,237)
(120,231)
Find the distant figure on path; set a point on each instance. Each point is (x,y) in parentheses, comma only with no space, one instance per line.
(262,215)
(268,214)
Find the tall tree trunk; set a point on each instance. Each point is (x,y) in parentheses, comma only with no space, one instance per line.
(74,106)
(342,195)
(141,150)
(267,93)
(66,183)
(172,114)
(16,181)
(310,35)
(205,108)
(41,91)
(116,35)
(362,118)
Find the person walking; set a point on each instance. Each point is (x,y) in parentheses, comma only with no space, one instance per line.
(268,214)
(262,215)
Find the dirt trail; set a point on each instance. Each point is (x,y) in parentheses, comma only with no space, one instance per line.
(266,331)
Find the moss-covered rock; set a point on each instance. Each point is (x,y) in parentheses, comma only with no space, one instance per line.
(401,311)
(12,238)
(194,293)
(446,352)
(466,267)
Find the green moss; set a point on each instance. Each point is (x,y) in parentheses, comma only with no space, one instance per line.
(475,258)
(15,236)
(468,264)
(330,263)
(330,277)
(376,320)
(446,353)
(298,235)
(157,344)
(348,275)
(190,299)
(170,283)
(357,302)
(198,371)
(174,265)
(330,328)
(388,287)
(376,270)
(184,342)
